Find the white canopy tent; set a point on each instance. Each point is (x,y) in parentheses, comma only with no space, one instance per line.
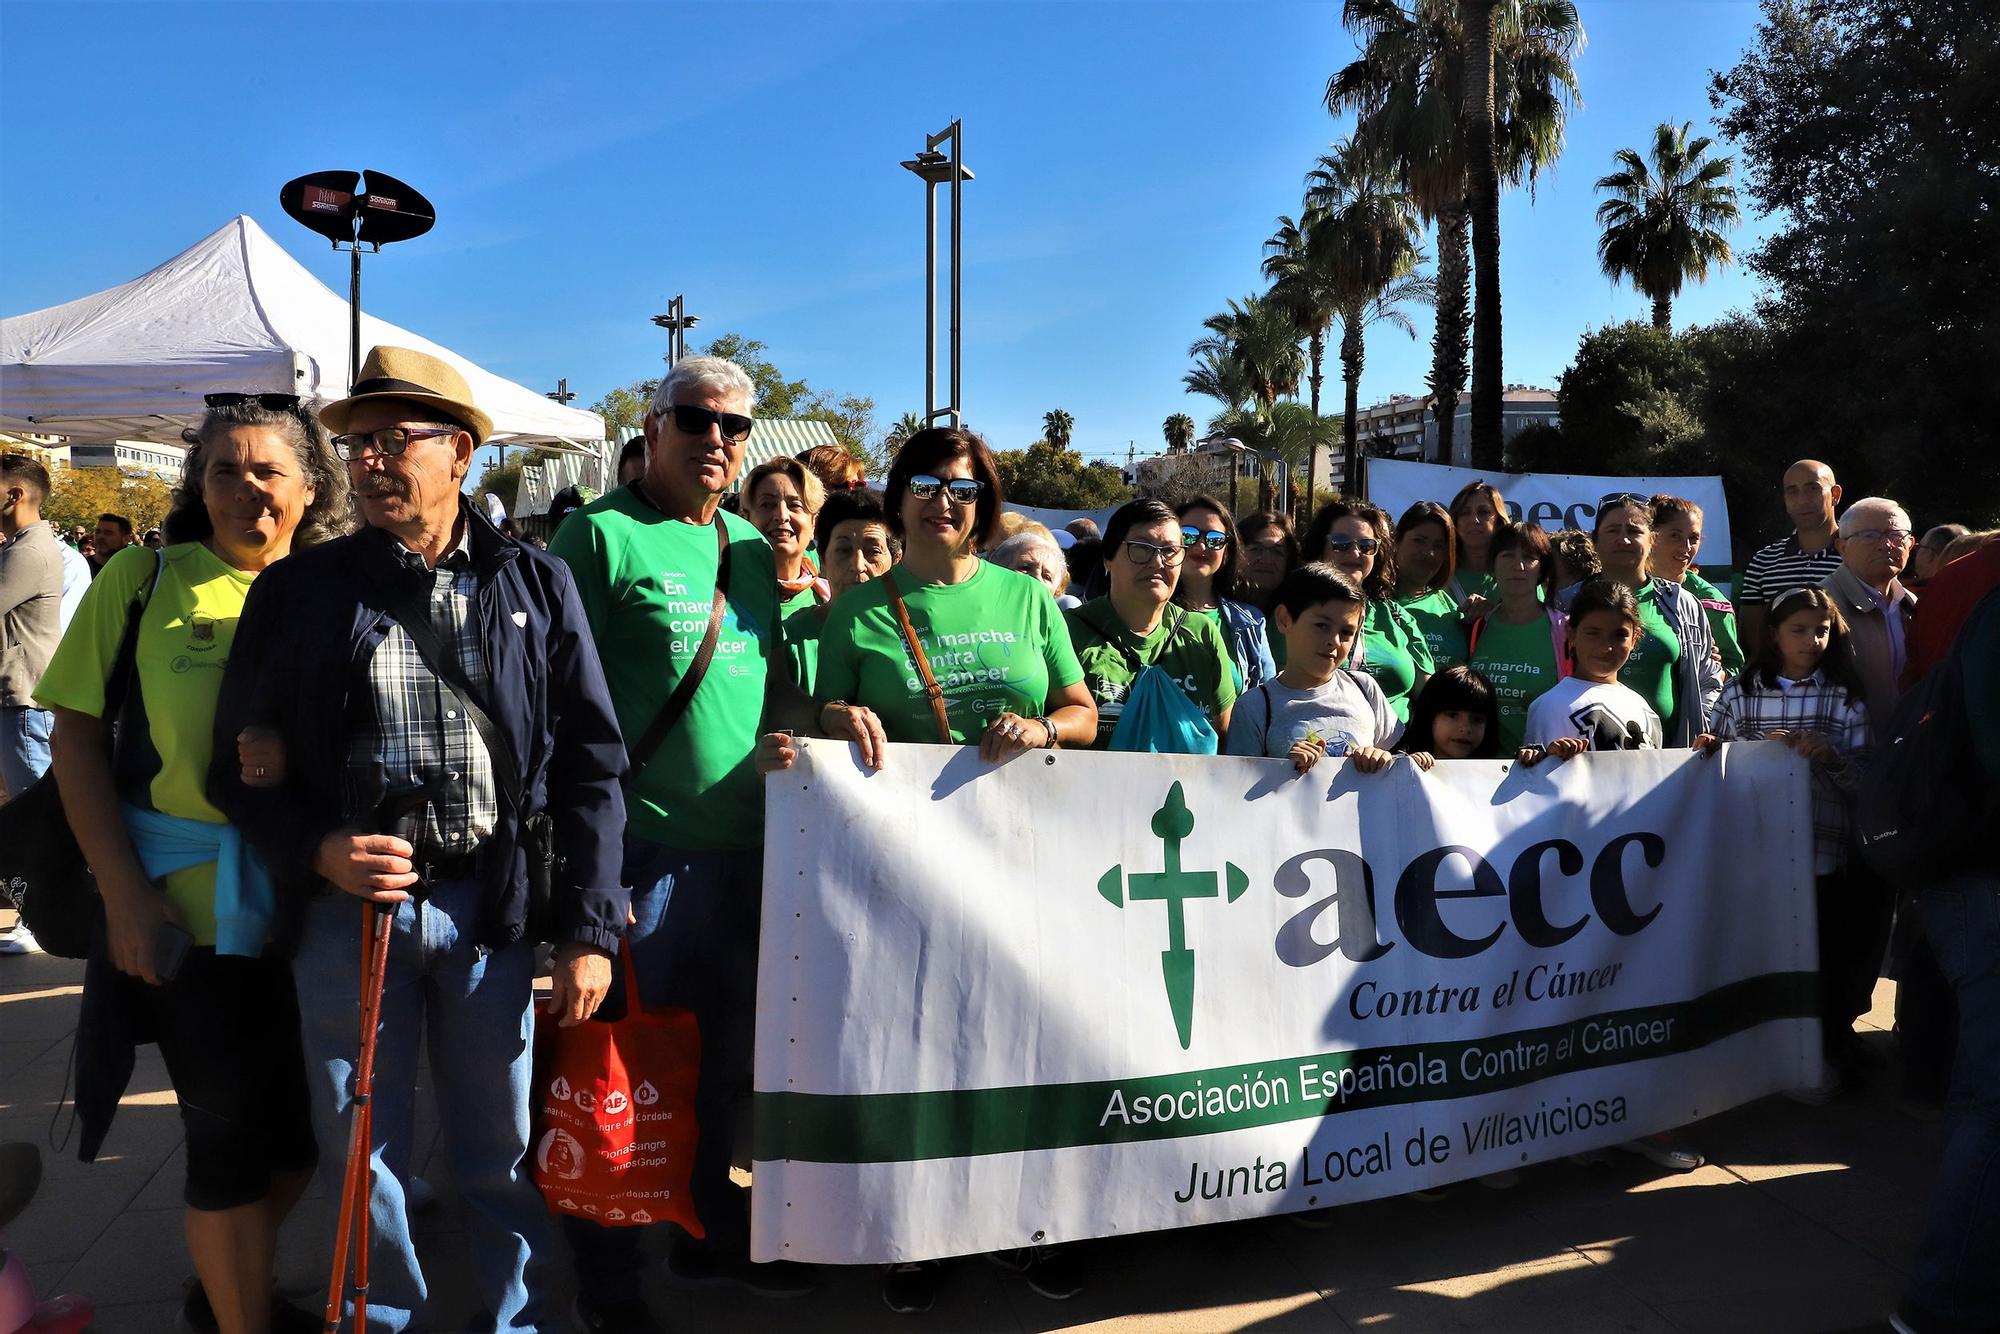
(232,312)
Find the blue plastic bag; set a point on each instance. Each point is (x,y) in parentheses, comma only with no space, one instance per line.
(1159,719)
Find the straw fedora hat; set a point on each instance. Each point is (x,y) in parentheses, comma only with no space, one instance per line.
(400,372)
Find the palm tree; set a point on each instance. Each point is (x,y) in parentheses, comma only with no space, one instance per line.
(1407,90)
(1661,225)
(1056,426)
(1365,224)
(1304,284)
(1258,344)
(1179,431)
(900,431)
(1216,376)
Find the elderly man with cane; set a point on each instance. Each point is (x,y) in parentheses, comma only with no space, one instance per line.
(449,794)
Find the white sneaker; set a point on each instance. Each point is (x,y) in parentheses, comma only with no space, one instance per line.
(20,941)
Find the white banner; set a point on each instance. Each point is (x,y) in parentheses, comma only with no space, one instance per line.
(1087,994)
(1553,500)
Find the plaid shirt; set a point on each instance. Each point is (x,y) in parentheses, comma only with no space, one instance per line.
(1748,710)
(416,735)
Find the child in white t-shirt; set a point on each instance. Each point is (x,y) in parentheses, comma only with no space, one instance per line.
(1315,706)
(1589,710)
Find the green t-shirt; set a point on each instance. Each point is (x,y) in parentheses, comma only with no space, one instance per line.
(1187,647)
(798,601)
(1721,622)
(1520,661)
(1443,626)
(1650,669)
(1395,654)
(802,632)
(185,635)
(647,582)
(996,644)
(1468,584)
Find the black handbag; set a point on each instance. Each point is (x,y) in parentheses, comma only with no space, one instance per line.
(41,865)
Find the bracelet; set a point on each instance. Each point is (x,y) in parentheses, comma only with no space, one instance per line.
(831,704)
(1048,726)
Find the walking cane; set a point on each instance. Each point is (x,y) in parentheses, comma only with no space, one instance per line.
(358,1178)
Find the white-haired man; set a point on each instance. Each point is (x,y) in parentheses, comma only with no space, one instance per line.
(1874,544)
(682,598)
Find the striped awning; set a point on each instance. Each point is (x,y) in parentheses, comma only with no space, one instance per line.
(783,437)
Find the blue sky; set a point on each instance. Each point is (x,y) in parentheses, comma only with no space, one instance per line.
(589,161)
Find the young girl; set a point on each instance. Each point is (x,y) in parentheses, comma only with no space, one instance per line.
(1589,710)
(1317,706)
(1803,689)
(1456,717)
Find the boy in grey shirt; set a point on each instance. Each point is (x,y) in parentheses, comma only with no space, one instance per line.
(1316,706)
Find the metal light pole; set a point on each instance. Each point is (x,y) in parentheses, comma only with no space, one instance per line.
(676,322)
(936,168)
(351,214)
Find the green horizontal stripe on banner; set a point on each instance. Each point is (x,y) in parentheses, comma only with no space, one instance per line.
(964,1123)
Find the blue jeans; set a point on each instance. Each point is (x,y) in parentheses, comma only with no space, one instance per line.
(694,946)
(475,1007)
(1956,1279)
(24,746)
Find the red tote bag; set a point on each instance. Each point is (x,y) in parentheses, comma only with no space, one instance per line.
(614,1114)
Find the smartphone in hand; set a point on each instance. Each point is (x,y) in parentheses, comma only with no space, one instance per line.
(171,944)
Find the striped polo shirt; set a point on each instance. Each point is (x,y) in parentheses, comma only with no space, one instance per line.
(1782,566)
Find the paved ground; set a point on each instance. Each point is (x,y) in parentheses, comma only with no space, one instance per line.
(1804,1220)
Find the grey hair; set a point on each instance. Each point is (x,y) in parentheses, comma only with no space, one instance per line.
(330,513)
(1020,544)
(1942,536)
(1851,522)
(708,375)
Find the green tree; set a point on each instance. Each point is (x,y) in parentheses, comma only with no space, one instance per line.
(624,409)
(852,417)
(776,396)
(1056,427)
(1407,91)
(1301,262)
(1366,226)
(901,430)
(1179,432)
(1259,344)
(1663,223)
(1051,476)
(1868,128)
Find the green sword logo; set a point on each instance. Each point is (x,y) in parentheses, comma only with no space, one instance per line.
(1172,823)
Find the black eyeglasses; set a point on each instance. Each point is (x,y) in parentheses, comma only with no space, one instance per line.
(1367,546)
(1210,538)
(388,441)
(269,402)
(695,420)
(961,490)
(1150,553)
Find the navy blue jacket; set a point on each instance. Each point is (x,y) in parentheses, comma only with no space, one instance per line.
(309,628)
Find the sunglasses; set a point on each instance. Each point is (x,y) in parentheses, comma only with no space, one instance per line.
(389,441)
(1148,553)
(1210,538)
(269,402)
(1367,546)
(1623,498)
(695,420)
(960,490)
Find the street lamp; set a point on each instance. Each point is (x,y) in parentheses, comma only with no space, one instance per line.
(935,169)
(386,211)
(1237,450)
(676,322)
